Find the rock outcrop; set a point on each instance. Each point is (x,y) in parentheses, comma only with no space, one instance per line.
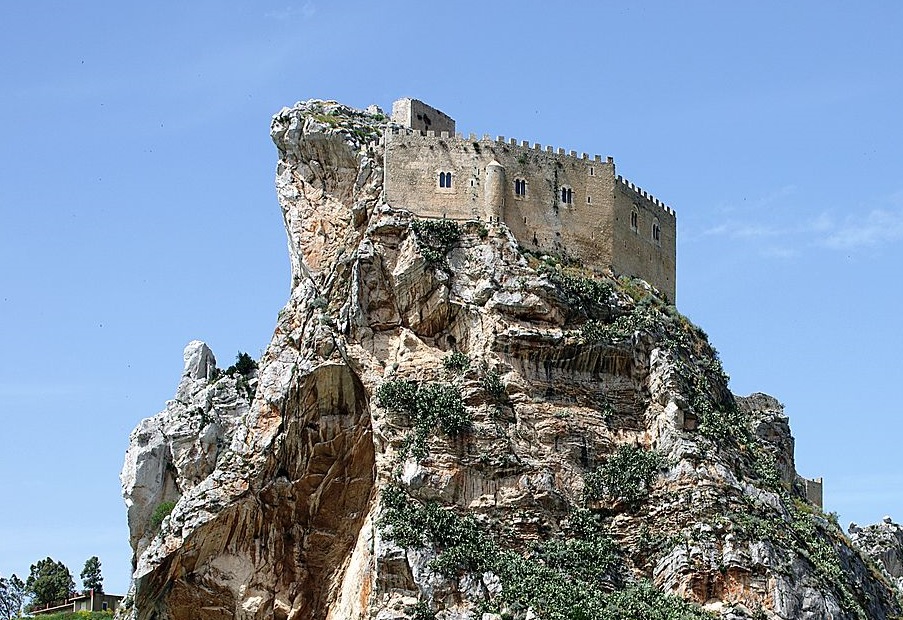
(883,543)
(446,427)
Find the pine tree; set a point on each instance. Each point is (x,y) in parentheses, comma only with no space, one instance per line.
(49,581)
(91,577)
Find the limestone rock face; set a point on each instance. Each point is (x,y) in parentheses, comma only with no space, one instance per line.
(177,449)
(883,543)
(443,426)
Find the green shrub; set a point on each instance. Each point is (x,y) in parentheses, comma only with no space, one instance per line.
(493,386)
(399,395)
(427,406)
(420,611)
(627,475)
(622,328)
(435,238)
(560,579)
(593,561)
(244,365)
(461,543)
(642,600)
(457,362)
(584,296)
(161,512)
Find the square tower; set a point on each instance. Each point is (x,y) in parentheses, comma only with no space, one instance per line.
(419,116)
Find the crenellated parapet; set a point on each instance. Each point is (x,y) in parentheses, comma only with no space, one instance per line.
(394,129)
(641,193)
(552,199)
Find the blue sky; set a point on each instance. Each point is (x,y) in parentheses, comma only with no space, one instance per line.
(138,210)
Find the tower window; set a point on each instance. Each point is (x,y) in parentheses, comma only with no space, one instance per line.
(634,220)
(592,171)
(656,232)
(520,187)
(445,179)
(589,200)
(567,195)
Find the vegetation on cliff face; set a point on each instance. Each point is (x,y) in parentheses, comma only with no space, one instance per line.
(435,238)
(559,578)
(581,572)
(626,475)
(576,571)
(428,407)
(529,437)
(161,512)
(457,362)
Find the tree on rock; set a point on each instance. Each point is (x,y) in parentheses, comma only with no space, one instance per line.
(244,365)
(90,575)
(12,595)
(49,581)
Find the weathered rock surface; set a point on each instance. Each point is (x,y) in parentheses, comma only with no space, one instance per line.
(883,543)
(176,450)
(328,497)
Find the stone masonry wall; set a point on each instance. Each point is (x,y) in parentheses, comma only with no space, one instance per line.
(636,251)
(417,115)
(593,227)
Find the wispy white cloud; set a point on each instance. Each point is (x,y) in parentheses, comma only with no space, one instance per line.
(739,230)
(761,220)
(770,219)
(878,227)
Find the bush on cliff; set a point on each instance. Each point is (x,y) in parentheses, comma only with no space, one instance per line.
(626,475)
(428,406)
(161,512)
(435,238)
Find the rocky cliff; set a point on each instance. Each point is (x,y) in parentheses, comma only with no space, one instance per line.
(444,426)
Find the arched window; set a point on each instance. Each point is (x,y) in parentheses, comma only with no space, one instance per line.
(520,187)
(445,179)
(656,232)
(634,220)
(567,195)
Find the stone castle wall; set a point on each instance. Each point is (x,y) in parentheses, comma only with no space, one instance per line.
(417,115)
(594,225)
(636,251)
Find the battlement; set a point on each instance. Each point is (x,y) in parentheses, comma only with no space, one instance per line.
(396,130)
(646,195)
(552,199)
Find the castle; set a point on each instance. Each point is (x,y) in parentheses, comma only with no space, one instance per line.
(552,201)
